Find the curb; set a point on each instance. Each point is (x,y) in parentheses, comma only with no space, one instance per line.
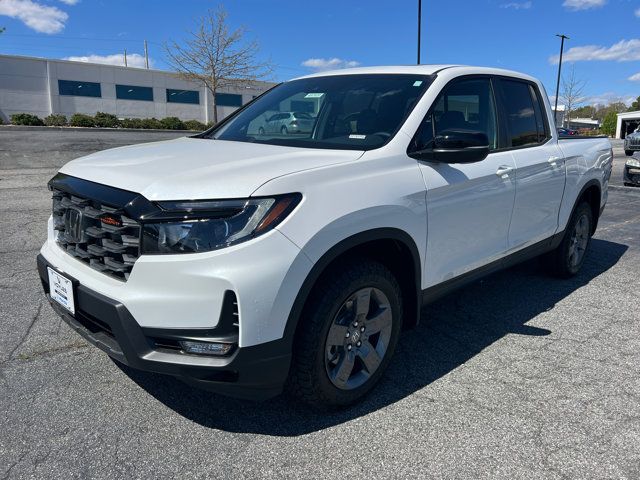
(93,129)
(622,188)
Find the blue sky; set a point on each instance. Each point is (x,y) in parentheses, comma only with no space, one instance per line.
(300,36)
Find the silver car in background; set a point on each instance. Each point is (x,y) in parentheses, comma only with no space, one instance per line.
(287,122)
(632,142)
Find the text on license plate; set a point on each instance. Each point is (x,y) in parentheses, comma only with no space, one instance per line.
(61,290)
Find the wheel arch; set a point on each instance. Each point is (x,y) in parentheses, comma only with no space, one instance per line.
(387,245)
(591,192)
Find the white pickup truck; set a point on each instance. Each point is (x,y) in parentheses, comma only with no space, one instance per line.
(247,262)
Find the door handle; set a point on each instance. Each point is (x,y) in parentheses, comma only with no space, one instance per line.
(553,161)
(504,171)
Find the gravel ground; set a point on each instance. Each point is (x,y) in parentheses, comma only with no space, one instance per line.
(517,376)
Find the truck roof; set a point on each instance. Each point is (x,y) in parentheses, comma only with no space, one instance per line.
(421,70)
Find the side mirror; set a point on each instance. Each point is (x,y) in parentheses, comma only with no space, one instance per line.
(456,146)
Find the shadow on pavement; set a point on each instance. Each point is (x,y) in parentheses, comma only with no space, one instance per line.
(452,331)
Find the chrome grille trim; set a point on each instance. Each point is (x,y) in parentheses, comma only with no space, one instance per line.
(110,249)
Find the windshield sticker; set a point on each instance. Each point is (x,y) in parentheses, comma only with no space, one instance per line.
(357,137)
(417,83)
(313,95)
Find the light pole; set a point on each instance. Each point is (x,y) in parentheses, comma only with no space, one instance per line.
(555,112)
(419,27)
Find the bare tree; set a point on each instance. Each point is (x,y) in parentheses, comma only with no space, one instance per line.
(217,57)
(572,93)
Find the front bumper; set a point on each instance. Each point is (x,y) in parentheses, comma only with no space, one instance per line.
(255,372)
(631,175)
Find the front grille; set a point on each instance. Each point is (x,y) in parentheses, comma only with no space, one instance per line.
(634,141)
(96,234)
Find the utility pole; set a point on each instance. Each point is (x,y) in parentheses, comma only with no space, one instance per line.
(125,57)
(146,55)
(419,27)
(555,112)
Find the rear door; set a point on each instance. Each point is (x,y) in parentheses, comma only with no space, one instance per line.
(468,205)
(540,169)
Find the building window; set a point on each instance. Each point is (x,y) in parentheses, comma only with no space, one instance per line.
(131,92)
(228,100)
(79,89)
(183,96)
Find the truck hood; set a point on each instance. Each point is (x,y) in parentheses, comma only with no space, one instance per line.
(193,168)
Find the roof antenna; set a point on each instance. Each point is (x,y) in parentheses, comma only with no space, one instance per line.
(419,27)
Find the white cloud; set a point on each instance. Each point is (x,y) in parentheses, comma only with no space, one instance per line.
(70,2)
(133,59)
(608,98)
(635,78)
(329,63)
(637,13)
(623,51)
(517,5)
(41,18)
(576,5)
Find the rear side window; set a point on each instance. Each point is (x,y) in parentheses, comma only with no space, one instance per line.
(520,114)
(541,121)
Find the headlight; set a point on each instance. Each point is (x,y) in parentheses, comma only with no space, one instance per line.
(202,226)
(633,162)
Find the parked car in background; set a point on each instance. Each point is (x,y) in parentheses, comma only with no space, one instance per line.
(631,174)
(245,263)
(632,142)
(565,132)
(287,122)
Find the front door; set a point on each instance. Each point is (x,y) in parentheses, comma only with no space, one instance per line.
(469,206)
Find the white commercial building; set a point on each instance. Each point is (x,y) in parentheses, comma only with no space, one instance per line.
(584,123)
(627,123)
(43,86)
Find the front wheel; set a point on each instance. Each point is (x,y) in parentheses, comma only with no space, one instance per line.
(568,258)
(347,335)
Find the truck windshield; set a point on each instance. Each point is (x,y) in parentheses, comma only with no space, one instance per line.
(355,112)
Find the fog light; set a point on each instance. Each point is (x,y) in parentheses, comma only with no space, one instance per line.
(205,348)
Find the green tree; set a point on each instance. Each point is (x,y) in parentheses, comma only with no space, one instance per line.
(584,112)
(635,105)
(617,107)
(609,123)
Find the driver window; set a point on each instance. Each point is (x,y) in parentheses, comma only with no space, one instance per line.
(465,105)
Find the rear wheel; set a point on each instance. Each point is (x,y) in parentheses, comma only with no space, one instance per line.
(628,153)
(568,258)
(347,336)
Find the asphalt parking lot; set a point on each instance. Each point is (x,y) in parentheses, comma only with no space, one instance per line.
(518,376)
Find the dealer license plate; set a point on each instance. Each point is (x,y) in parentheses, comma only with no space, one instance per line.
(61,290)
